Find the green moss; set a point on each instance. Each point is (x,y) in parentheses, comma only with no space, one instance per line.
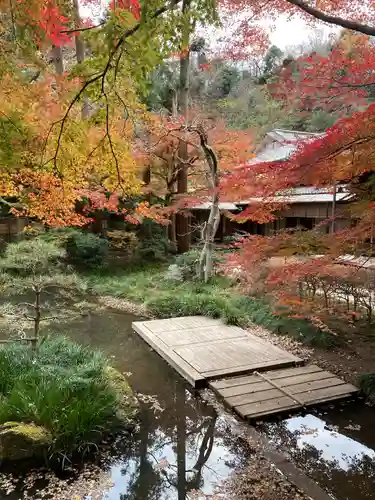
(128,403)
(20,441)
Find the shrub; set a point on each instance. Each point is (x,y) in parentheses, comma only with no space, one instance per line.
(261,313)
(59,235)
(86,249)
(192,304)
(188,262)
(367,385)
(235,310)
(153,241)
(62,388)
(168,306)
(28,257)
(124,241)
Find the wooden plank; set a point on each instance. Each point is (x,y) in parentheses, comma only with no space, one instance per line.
(281,389)
(271,393)
(240,390)
(302,370)
(329,393)
(300,379)
(256,385)
(275,375)
(259,395)
(261,365)
(255,397)
(184,369)
(315,385)
(284,403)
(221,357)
(276,405)
(202,348)
(197,335)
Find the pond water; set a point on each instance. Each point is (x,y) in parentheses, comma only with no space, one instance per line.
(334,445)
(184,445)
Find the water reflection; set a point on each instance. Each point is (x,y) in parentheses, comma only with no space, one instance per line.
(332,449)
(334,446)
(183,446)
(167,469)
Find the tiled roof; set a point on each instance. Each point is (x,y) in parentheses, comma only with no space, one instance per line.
(273,153)
(283,135)
(284,143)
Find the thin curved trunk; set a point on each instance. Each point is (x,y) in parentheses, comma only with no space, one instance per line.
(205,266)
(206,257)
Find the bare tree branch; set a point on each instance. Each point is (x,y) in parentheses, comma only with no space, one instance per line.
(87,28)
(10,204)
(338,21)
(102,75)
(110,142)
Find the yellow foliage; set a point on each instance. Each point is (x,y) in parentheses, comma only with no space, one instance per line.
(56,166)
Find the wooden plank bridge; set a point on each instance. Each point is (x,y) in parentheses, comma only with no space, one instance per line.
(252,376)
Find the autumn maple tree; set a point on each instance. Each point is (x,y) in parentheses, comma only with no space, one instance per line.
(304,269)
(54,146)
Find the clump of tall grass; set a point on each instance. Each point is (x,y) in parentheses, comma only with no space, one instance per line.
(234,309)
(61,387)
(367,384)
(220,298)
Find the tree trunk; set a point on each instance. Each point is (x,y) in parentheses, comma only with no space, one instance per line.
(182,220)
(80,56)
(333,221)
(206,258)
(205,266)
(172,232)
(37,318)
(100,223)
(57,59)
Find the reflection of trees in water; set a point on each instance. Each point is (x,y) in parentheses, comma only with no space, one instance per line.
(186,432)
(357,480)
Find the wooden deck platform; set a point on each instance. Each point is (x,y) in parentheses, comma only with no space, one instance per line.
(201,348)
(262,394)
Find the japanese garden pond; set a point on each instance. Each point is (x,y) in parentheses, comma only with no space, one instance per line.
(184,444)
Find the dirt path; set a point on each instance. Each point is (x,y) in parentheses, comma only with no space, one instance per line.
(356,356)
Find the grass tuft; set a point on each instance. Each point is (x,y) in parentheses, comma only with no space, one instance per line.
(220,298)
(62,388)
(367,385)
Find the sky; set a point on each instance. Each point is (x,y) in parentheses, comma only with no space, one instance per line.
(286,33)
(293,32)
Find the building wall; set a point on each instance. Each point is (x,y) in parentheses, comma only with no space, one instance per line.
(301,215)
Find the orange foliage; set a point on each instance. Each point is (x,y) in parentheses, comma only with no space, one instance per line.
(230,146)
(88,162)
